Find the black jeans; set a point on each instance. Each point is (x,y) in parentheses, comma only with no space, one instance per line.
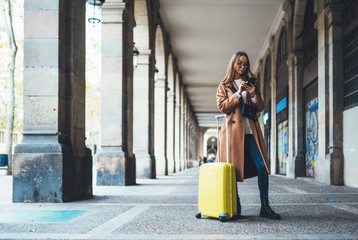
(251,147)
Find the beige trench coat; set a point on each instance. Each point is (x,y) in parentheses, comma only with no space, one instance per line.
(228,103)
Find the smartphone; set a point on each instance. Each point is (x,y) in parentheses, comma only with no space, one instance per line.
(251,82)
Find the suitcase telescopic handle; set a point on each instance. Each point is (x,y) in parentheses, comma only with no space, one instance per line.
(227,136)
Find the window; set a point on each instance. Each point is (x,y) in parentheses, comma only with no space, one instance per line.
(310,34)
(282,48)
(350,54)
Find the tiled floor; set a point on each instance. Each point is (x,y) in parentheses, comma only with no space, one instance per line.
(165,208)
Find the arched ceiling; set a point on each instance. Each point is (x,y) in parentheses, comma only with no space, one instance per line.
(205,33)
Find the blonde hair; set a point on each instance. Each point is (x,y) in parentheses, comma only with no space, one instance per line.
(231,68)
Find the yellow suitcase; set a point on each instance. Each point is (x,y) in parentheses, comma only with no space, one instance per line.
(217,188)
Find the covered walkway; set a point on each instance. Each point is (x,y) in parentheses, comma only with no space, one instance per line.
(161,64)
(164,208)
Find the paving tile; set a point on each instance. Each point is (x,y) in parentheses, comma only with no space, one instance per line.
(165,208)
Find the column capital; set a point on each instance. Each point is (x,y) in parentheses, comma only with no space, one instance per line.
(145,52)
(161,78)
(144,57)
(171,95)
(333,13)
(160,82)
(297,57)
(112,11)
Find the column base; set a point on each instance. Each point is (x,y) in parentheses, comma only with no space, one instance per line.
(161,165)
(144,162)
(337,168)
(177,165)
(78,176)
(51,173)
(171,165)
(330,169)
(183,167)
(115,168)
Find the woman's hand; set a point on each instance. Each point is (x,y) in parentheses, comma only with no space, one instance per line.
(251,90)
(242,87)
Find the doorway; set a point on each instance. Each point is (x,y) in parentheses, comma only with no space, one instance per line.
(282,147)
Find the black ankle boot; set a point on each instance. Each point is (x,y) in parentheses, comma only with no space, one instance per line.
(266,211)
(238,206)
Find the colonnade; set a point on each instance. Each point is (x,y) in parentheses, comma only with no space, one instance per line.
(302,81)
(148,126)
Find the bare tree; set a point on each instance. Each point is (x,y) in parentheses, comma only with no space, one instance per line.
(11,103)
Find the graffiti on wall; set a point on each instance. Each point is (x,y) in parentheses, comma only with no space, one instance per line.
(311,138)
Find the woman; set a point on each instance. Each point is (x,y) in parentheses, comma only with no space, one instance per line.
(247,150)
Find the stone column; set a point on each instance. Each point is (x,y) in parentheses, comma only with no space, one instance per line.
(298,156)
(141,118)
(322,166)
(160,126)
(52,164)
(199,143)
(170,131)
(177,130)
(184,128)
(181,133)
(153,173)
(329,168)
(116,164)
(190,144)
(187,134)
(336,91)
(273,108)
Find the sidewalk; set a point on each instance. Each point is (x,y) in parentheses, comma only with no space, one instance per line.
(165,208)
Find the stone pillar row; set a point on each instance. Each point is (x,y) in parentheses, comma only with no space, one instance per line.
(120,162)
(330,163)
(52,163)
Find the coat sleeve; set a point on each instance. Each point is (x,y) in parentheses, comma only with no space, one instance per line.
(259,105)
(225,103)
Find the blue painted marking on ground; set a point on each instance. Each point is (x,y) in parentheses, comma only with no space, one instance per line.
(28,216)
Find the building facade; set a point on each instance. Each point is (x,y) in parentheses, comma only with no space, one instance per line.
(310,88)
(148,127)
(307,71)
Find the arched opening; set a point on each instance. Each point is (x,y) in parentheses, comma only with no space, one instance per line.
(211,148)
(177,128)
(142,89)
(160,105)
(281,105)
(209,144)
(93,83)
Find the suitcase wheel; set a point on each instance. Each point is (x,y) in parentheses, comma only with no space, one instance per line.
(198,215)
(222,219)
